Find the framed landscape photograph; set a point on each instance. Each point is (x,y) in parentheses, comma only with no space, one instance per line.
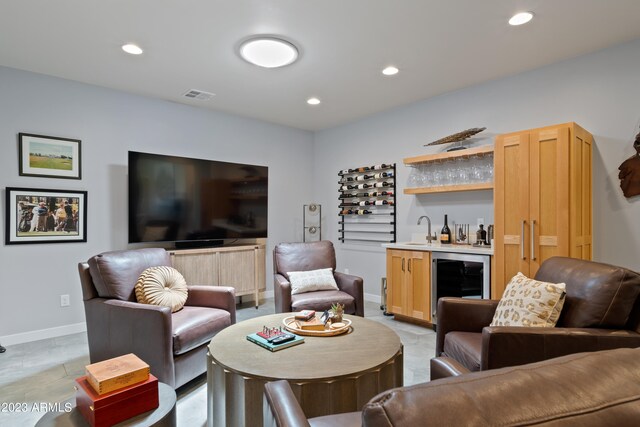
(49,156)
(45,216)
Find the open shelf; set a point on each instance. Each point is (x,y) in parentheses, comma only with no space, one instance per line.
(467,152)
(450,188)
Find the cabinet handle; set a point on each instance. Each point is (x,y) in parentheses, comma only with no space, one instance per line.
(522,240)
(533,243)
(409,265)
(402,264)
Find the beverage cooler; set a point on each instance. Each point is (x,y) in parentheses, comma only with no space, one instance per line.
(459,275)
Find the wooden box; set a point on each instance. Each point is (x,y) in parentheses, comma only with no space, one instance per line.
(111,408)
(116,373)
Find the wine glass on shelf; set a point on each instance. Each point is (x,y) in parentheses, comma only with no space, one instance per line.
(415,177)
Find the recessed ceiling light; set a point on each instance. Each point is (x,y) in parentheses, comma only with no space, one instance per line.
(521,18)
(268,52)
(390,71)
(313,101)
(132,49)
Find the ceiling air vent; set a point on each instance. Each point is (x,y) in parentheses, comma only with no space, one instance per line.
(199,94)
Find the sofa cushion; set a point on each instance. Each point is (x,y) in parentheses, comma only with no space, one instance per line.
(598,295)
(322,300)
(115,274)
(312,280)
(194,326)
(529,302)
(163,286)
(465,347)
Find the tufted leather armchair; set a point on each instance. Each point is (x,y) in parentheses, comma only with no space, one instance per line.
(173,344)
(313,256)
(601,312)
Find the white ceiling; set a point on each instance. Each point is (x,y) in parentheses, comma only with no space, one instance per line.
(439,46)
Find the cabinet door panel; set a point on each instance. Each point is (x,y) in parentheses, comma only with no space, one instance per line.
(418,279)
(237,269)
(549,195)
(511,199)
(197,268)
(396,289)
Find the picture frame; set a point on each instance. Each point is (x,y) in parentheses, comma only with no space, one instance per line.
(36,215)
(49,156)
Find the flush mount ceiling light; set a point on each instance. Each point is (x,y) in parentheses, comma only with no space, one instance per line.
(521,18)
(132,49)
(313,101)
(390,71)
(268,52)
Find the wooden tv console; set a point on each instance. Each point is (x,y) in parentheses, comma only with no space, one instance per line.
(242,267)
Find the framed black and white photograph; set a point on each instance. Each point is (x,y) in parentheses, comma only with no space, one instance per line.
(49,156)
(45,216)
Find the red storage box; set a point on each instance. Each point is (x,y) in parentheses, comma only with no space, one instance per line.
(111,408)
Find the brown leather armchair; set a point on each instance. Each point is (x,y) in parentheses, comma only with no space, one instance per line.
(313,256)
(601,311)
(173,344)
(585,389)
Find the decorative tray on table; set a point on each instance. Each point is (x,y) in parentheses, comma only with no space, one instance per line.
(293,325)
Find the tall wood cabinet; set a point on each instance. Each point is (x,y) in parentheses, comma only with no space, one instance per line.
(242,267)
(542,199)
(408,290)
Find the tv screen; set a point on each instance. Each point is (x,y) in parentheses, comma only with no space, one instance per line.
(191,200)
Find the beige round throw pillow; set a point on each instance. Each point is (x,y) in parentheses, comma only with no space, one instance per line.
(163,286)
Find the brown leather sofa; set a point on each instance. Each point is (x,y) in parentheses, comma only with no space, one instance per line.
(584,389)
(313,256)
(601,311)
(173,344)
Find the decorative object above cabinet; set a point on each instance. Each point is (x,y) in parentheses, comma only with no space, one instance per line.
(463,170)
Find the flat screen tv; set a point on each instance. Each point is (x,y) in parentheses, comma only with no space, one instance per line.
(195,202)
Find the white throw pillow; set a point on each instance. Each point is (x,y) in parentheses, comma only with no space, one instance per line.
(529,302)
(314,280)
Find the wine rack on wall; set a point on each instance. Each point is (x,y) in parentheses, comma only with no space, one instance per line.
(367,204)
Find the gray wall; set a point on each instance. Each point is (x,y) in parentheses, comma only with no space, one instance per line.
(600,91)
(110,123)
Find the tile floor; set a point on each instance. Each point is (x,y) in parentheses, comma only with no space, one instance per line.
(44,371)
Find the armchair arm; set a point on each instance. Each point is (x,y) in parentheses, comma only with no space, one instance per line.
(445,367)
(284,408)
(222,297)
(352,285)
(509,346)
(462,314)
(120,327)
(282,293)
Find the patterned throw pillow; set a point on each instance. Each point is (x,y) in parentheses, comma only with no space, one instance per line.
(314,280)
(528,302)
(163,286)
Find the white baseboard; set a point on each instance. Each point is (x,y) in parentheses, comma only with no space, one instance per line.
(42,334)
(373,298)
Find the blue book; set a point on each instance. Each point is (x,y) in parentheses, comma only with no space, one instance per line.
(255,338)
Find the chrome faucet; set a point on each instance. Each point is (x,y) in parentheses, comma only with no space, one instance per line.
(430,238)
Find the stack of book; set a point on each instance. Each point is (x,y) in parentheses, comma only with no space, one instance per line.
(115,390)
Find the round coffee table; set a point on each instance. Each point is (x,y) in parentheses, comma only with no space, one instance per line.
(328,375)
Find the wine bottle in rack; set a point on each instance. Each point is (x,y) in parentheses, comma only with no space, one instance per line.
(382,193)
(363,212)
(381,166)
(347,179)
(445,234)
(363,177)
(345,171)
(347,196)
(362,194)
(384,202)
(362,186)
(363,169)
(346,212)
(383,175)
(364,203)
(382,184)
